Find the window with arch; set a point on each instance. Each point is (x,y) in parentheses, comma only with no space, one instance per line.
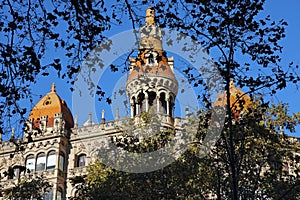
(41,162)
(171,105)
(163,103)
(81,160)
(30,162)
(141,102)
(56,123)
(49,195)
(61,163)
(59,194)
(151,58)
(51,160)
(134,106)
(152,97)
(15,172)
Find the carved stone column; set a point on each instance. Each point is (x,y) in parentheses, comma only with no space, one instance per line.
(157,104)
(168,106)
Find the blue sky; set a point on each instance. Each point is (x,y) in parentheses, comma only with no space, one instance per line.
(289,11)
(277,9)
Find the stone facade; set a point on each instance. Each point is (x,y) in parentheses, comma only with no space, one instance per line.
(53,144)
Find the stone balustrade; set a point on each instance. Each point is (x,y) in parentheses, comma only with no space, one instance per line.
(78,171)
(165,120)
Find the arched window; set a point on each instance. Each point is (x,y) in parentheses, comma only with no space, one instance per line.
(141,102)
(13,172)
(49,195)
(51,159)
(134,106)
(81,160)
(59,194)
(163,103)
(41,162)
(171,105)
(30,162)
(17,172)
(151,58)
(61,164)
(10,173)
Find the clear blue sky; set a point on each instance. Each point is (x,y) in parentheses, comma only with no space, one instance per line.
(278,9)
(289,11)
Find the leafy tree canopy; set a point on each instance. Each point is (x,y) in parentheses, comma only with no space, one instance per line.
(26,188)
(266,162)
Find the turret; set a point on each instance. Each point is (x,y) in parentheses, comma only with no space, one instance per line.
(51,113)
(151,85)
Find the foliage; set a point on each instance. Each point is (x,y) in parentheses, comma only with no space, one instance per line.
(146,117)
(267,166)
(241,40)
(28,189)
(142,134)
(153,143)
(265,158)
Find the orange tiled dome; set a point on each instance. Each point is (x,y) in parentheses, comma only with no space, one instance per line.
(50,105)
(238,100)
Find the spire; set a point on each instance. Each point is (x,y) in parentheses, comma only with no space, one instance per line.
(103,116)
(151,35)
(53,88)
(13,132)
(150,65)
(150,16)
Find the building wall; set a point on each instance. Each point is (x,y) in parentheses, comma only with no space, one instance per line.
(78,143)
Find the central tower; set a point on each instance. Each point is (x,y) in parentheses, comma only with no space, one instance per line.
(151,85)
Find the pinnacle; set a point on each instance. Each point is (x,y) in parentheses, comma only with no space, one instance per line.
(53,88)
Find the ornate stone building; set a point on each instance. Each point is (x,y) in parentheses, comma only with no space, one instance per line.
(54,145)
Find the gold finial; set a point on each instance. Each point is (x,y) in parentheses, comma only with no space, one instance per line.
(150,16)
(231,84)
(53,88)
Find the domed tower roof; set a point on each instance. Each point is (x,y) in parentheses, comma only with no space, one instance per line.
(50,105)
(152,59)
(239,101)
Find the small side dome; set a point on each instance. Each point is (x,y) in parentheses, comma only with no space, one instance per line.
(50,105)
(238,99)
